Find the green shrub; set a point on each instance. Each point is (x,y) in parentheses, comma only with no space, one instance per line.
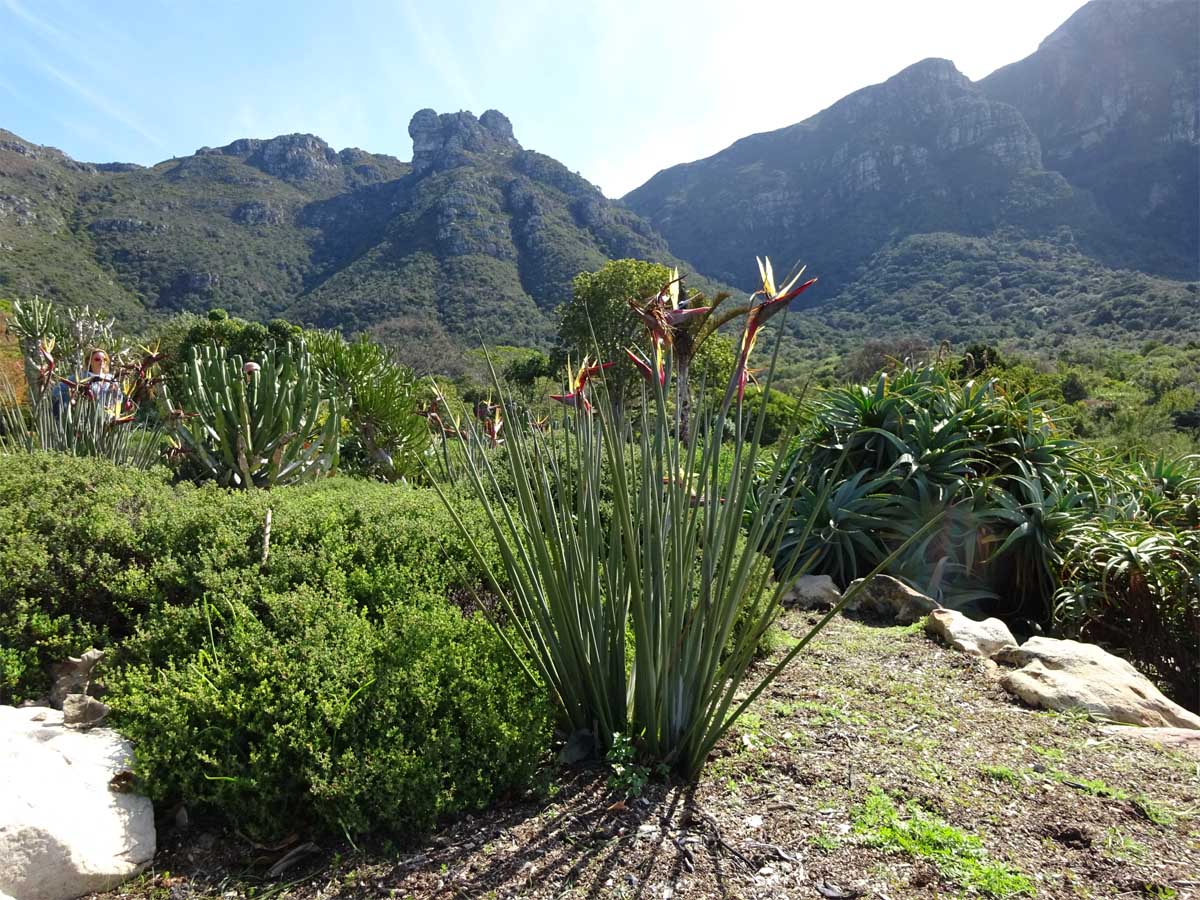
(89,549)
(302,709)
(384,436)
(332,686)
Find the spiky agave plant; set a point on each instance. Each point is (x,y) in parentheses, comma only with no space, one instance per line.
(916,443)
(1137,585)
(378,399)
(671,559)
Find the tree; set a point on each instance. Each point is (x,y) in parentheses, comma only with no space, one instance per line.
(598,319)
(1073,388)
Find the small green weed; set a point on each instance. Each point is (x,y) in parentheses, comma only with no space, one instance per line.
(750,723)
(1051,753)
(827,714)
(627,778)
(1093,786)
(934,770)
(1124,848)
(1001,773)
(1152,811)
(824,842)
(1159,892)
(956,854)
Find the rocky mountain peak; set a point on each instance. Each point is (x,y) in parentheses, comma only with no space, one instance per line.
(451,139)
(290,157)
(18,147)
(1102,19)
(296,157)
(1118,71)
(926,111)
(932,70)
(1111,95)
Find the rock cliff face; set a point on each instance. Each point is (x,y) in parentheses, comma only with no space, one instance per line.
(455,139)
(1126,68)
(924,150)
(303,159)
(1096,133)
(1114,97)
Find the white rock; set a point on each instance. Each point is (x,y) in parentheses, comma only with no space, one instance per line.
(887,598)
(983,639)
(63,832)
(812,592)
(1063,675)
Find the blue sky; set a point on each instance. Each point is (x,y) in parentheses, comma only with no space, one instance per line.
(616,90)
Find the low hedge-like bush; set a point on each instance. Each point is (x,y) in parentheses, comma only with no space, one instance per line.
(334,687)
(87,550)
(308,710)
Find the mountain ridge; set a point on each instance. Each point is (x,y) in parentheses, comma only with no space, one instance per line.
(477,235)
(1005,186)
(1129,194)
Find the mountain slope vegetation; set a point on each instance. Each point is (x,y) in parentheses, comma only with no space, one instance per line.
(1059,193)
(1058,198)
(476,237)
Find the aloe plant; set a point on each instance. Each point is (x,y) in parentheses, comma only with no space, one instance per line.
(258,424)
(917,442)
(378,399)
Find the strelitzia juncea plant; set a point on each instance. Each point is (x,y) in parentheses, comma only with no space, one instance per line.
(642,615)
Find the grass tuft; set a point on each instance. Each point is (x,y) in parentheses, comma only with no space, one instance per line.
(957,855)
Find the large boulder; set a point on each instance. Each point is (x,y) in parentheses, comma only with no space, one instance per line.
(812,592)
(890,600)
(983,639)
(66,827)
(1060,675)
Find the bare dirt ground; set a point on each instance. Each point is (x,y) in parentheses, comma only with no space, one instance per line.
(880,765)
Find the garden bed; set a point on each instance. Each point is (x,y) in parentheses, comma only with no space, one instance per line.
(879,765)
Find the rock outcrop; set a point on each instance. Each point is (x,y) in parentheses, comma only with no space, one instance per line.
(66,827)
(813,592)
(1064,675)
(254,212)
(890,600)
(289,157)
(982,639)
(1185,740)
(454,139)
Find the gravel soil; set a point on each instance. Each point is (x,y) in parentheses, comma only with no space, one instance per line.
(1042,804)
